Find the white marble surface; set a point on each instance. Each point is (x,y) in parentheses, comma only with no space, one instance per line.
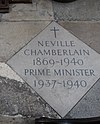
(58,66)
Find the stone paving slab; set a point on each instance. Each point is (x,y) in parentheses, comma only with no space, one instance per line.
(17,97)
(14,35)
(89,106)
(80,10)
(39,10)
(32,69)
(88,32)
(22,32)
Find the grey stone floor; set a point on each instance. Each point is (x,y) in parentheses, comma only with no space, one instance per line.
(80,10)
(19,104)
(17,98)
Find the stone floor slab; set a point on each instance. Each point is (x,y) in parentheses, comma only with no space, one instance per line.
(22,32)
(14,96)
(39,10)
(87,10)
(88,32)
(51,81)
(14,35)
(89,106)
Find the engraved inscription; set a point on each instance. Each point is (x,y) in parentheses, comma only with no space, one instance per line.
(58,66)
(55,31)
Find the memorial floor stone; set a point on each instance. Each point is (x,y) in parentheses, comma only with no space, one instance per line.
(58,66)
